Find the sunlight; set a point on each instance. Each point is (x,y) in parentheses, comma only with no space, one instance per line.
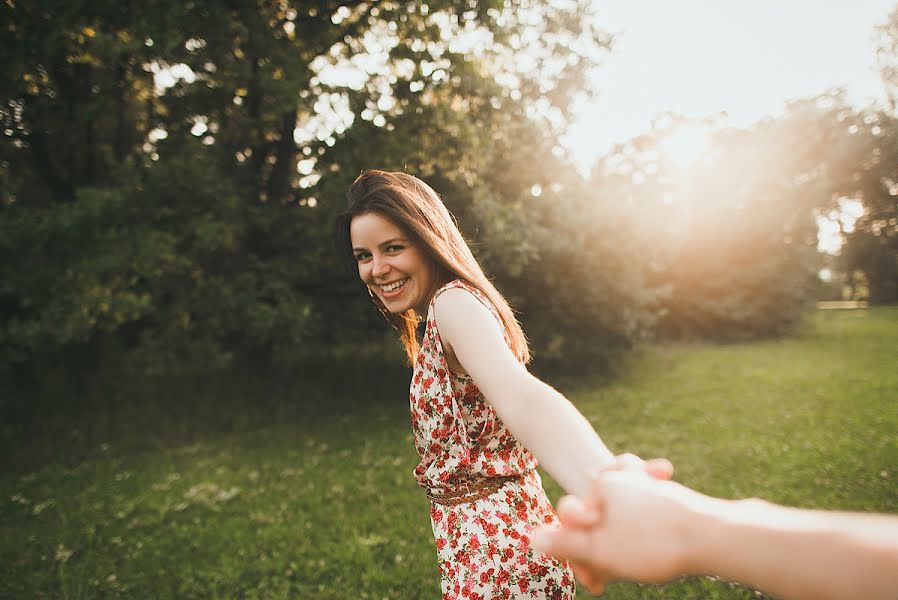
(830,226)
(667,58)
(685,144)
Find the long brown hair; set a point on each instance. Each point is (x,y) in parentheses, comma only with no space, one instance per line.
(416,209)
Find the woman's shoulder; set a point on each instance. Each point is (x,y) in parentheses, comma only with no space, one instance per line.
(460,293)
(463,287)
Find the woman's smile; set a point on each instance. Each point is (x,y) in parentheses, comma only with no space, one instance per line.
(391,290)
(391,264)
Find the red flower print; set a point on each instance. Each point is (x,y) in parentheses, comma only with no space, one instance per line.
(461,440)
(466,591)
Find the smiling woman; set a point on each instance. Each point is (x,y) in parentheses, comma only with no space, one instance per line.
(393,268)
(480,419)
(387,207)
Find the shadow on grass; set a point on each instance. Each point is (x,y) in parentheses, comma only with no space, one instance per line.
(139,413)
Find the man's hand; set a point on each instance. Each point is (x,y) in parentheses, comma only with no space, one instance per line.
(575,515)
(630,527)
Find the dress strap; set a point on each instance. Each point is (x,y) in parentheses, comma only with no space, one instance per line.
(460,283)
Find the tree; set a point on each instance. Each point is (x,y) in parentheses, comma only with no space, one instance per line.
(871,247)
(731,237)
(174,168)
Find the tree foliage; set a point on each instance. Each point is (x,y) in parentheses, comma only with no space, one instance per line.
(871,245)
(171,171)
(731,239)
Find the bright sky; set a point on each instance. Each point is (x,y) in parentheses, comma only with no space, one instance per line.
(701,57)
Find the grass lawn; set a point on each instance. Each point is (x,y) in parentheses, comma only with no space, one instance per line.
(309,494)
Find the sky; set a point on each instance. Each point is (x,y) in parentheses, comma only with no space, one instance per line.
(703,57)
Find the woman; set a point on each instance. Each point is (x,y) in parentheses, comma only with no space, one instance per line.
(480,419)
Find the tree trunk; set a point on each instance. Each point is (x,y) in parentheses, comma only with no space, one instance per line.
(120,144)
(60,187)
(285,152)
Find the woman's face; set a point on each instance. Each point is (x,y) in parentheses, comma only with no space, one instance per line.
(390,264)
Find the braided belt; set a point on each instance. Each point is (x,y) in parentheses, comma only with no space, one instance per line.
(472,492)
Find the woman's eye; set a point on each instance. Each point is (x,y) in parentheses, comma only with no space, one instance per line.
(361,257)
(394,248)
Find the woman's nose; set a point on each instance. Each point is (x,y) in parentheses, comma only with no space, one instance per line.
(379,267)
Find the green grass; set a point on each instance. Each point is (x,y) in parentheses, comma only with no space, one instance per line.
(288,490)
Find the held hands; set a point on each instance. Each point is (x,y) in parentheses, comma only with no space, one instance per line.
(632,526)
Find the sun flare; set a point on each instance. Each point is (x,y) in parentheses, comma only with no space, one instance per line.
(685,144)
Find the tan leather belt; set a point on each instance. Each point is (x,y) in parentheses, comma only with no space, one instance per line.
(472,492)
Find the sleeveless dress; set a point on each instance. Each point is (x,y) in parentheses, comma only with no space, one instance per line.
(482,545)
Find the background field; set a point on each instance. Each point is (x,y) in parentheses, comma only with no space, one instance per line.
(197,399)
(230,497)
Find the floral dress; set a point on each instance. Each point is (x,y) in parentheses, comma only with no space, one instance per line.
(482,545)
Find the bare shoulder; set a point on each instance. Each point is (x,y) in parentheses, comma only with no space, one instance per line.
(458,311)
(459,303)
(473,337)
(455,298)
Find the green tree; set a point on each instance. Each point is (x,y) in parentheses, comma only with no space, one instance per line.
(731,238)
(171,170)
(871,247)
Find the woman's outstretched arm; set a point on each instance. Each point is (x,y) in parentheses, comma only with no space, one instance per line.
(543,420)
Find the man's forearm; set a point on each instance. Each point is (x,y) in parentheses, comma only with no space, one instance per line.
(794,553)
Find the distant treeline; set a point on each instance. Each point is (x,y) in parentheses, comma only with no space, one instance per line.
(170,173)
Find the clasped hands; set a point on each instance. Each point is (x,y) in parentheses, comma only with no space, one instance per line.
(631,526)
